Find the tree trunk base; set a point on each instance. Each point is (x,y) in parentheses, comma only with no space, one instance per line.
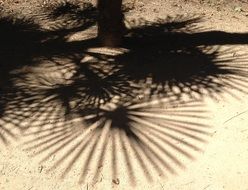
(111,26)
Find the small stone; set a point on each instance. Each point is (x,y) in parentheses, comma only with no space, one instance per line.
(238,9)
(116,181)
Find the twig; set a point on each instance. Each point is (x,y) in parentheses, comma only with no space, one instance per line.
(235,116)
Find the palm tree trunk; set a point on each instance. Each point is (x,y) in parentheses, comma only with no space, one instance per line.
(110,22)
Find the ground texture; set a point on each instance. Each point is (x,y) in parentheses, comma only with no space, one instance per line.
(167,110)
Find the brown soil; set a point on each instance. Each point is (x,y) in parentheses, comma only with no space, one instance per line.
(168,110)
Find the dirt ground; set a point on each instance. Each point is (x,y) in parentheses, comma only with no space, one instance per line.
(168,110)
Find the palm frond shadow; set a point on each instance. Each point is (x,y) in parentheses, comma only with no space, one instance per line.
(25,41)
(154,138)
(99,109)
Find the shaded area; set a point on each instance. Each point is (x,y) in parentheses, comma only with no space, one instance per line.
(152,137)
(136,106)
(23,39)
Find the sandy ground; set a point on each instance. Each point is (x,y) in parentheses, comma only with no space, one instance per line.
(178,122)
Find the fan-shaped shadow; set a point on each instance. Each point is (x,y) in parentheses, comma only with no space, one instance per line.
(68,18)
(153,138)
(24,42)
(185,71)
(139,106)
